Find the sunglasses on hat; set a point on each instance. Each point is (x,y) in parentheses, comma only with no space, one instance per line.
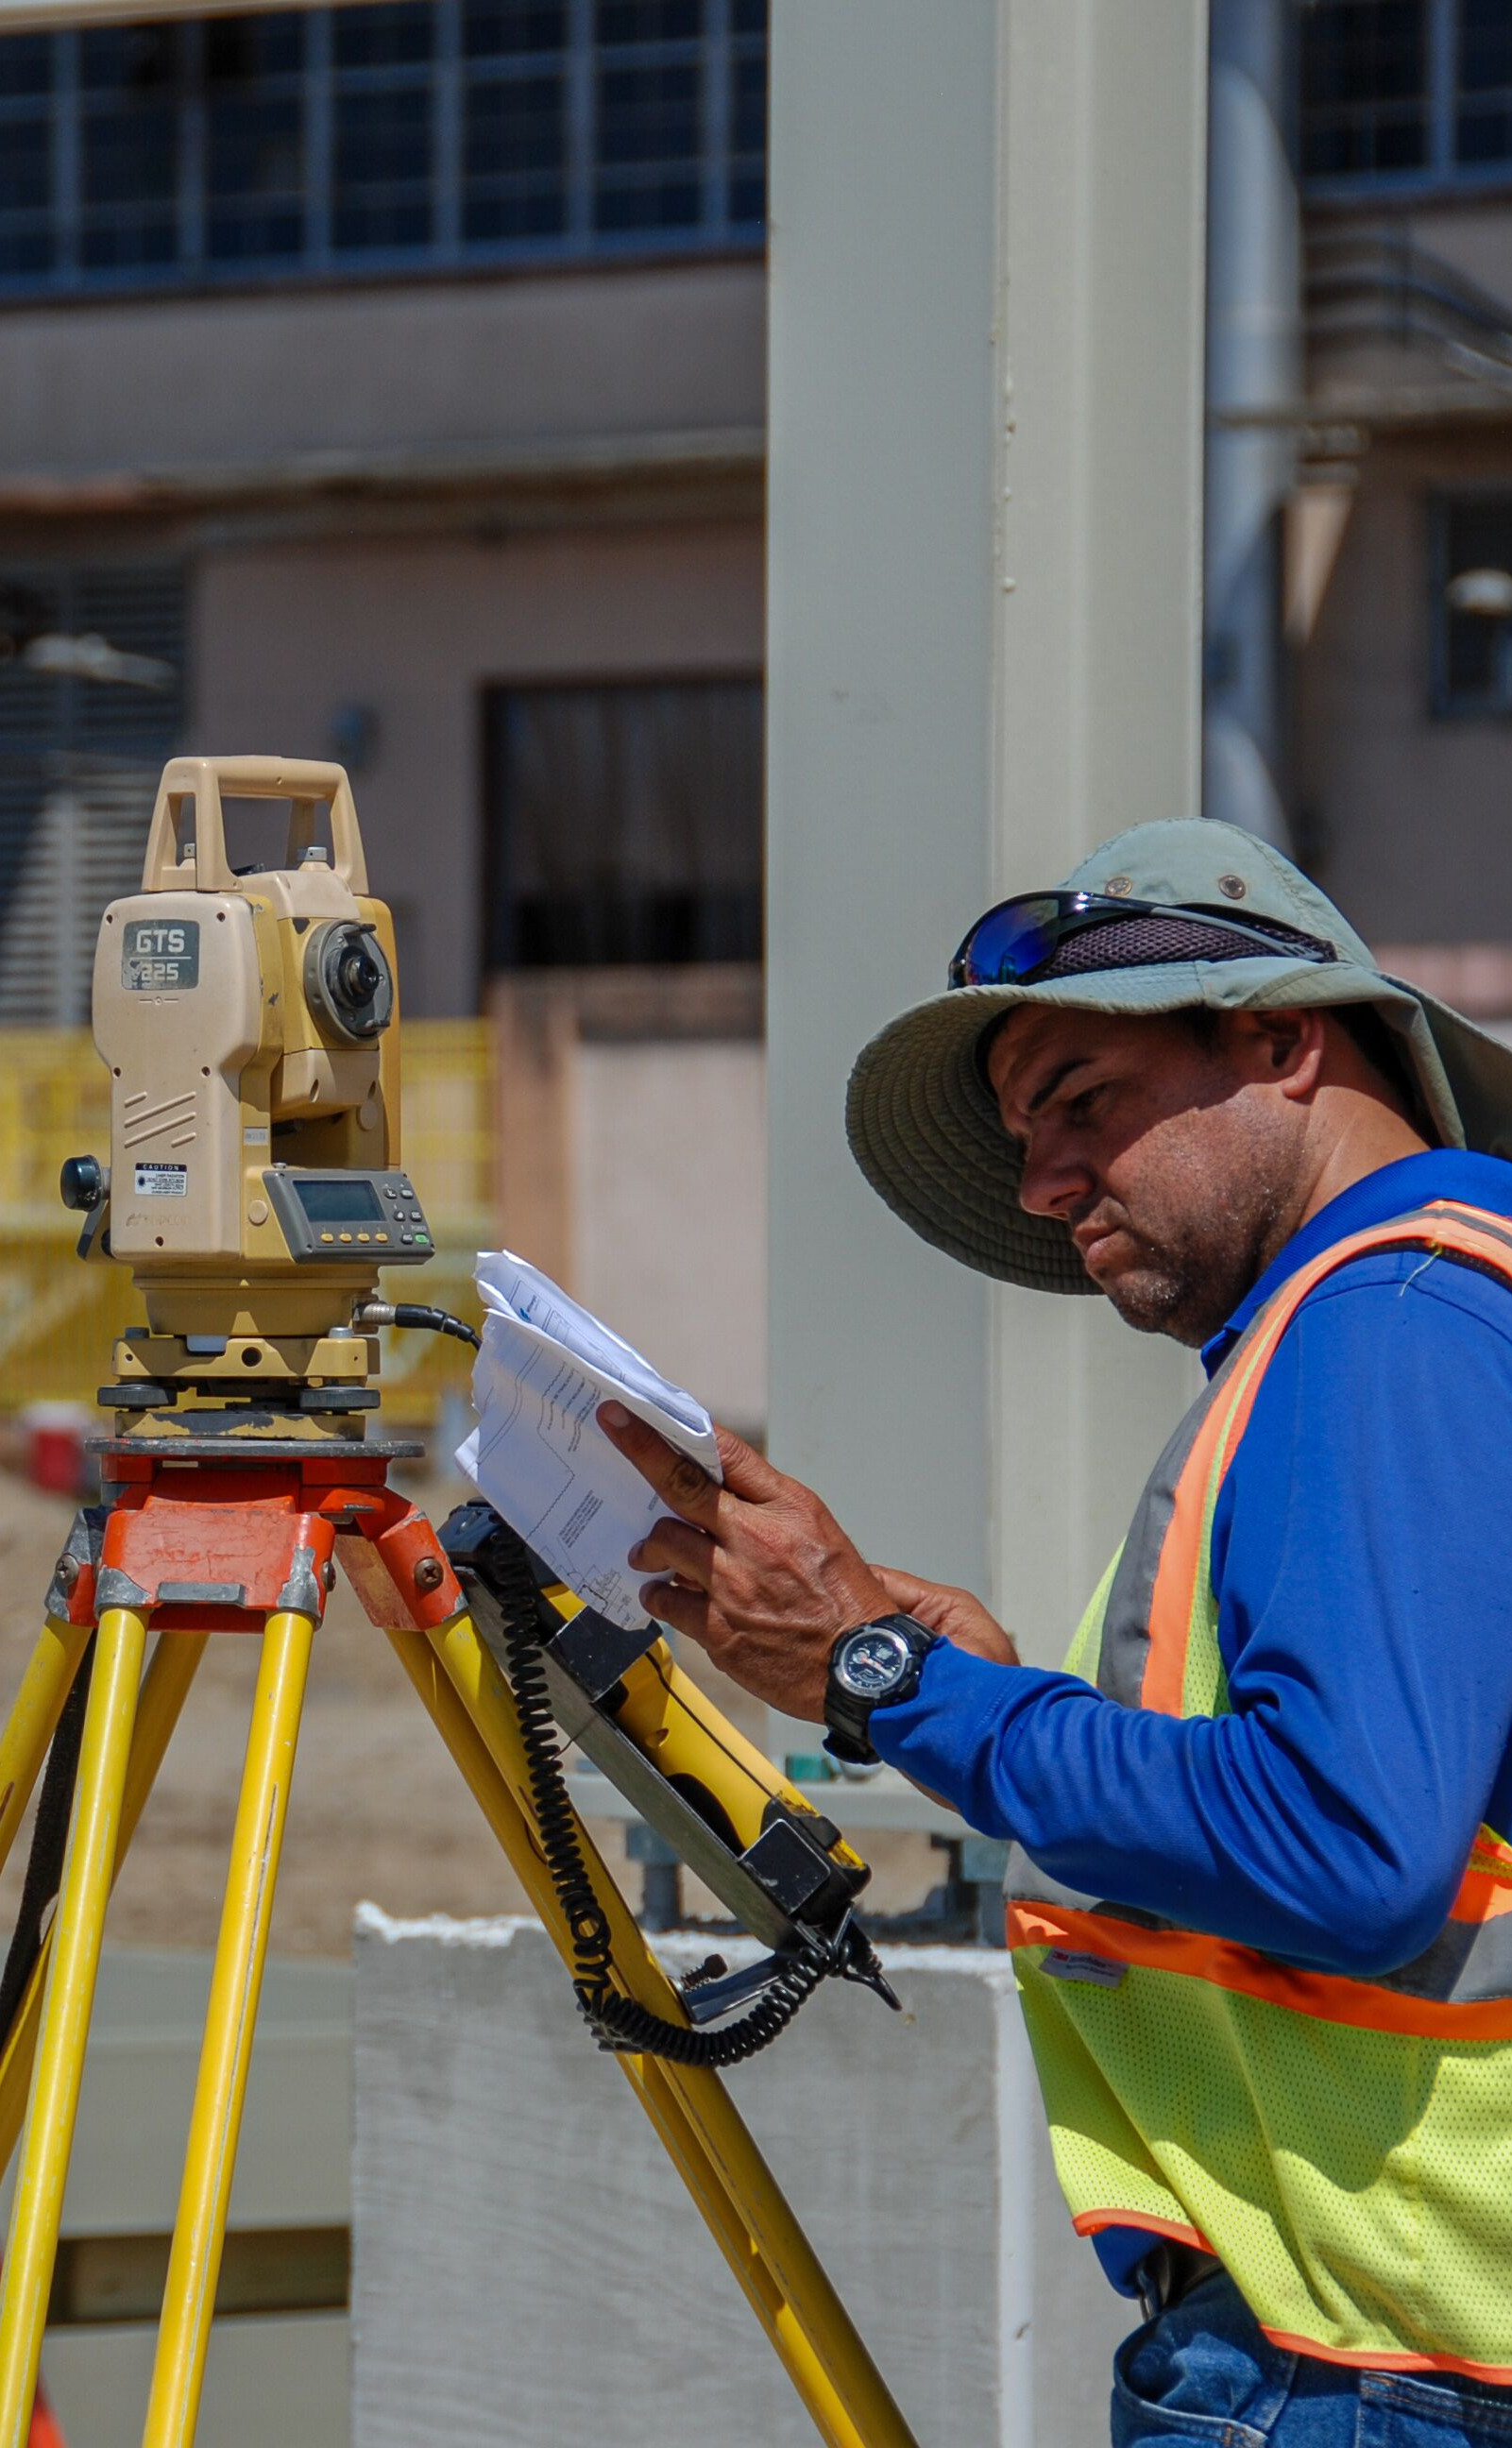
(1017,939)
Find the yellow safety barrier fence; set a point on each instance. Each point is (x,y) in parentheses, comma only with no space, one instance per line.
(58,1318)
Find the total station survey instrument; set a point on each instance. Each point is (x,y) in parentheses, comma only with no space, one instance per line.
(255,1188)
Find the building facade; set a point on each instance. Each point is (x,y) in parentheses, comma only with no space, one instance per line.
(1398,580)
(387,382)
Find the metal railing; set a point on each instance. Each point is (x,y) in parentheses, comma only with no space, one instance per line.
(58,1317)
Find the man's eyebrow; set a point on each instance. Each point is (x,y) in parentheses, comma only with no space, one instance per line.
(1061,1072)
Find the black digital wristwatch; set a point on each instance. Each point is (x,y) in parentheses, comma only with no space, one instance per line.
(878,1662)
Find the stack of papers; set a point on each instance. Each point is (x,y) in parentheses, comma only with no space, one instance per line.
(538,1454)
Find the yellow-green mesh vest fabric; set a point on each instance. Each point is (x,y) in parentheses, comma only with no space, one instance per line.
(1356,2183)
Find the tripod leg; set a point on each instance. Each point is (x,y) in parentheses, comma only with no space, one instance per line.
(739,2199)
(198,2234)
(64,2028)
(34,1719)
(164,1689)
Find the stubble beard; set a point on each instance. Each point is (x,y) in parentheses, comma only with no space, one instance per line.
(1186,1283)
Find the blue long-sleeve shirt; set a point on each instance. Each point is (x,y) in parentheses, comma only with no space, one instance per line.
(1361,1570)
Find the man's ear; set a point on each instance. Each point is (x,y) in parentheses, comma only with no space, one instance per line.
(1286,1048)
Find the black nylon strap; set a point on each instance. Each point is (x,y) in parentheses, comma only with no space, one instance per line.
(49,1838)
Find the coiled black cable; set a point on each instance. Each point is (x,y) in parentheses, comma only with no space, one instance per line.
(617,2021)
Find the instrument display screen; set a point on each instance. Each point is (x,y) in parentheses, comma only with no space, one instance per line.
(348,1201)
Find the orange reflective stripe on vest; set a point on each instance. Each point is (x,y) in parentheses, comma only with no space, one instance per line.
(1463,1982)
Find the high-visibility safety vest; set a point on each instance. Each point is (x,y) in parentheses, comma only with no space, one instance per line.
(1343,2146)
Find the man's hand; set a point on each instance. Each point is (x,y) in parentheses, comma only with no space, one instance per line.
(766,1579)
(954,1614)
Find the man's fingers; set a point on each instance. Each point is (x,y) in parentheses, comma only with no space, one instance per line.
(746,1472)
(684,1609)
(678,1480)
(675,1547)
(906,1590)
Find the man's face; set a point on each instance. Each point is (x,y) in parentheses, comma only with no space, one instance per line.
(1173,1162)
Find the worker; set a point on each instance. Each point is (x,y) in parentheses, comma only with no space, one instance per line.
(1261,1875)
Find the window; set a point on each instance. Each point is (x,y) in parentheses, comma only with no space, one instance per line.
(1403,93)
(1472,605)
(80,758)
(404,135)
(624,825)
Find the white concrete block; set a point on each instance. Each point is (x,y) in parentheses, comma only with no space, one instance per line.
(527,2268)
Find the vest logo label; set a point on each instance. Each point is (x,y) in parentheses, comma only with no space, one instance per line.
(1063,1963)
(162,1182)
(159,955)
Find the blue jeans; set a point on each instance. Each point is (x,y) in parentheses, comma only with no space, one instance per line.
(1205,2371)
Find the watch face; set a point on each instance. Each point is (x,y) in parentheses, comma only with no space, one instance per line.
(871,1662)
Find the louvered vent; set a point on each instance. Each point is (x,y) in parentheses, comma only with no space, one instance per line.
(79,764)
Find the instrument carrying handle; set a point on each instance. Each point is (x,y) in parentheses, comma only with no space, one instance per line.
(202,782)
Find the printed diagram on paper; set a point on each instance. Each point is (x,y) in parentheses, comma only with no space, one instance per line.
(538,1454)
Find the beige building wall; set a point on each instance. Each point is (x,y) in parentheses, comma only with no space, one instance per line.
(1404,815)
(532,366)
(282,636)
(670,1241)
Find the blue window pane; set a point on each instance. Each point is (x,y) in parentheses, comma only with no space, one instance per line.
(1485,135)
(648,114)
(255,170)
(241,50)
(749,17)
(136,60)
(1485,45)
(648,21)
(648,126)
(515,127)
(514,28)
(25,253)
(382,188)
(1364,87)
(129,155)
(748,114)
(25,66)
(396,33)
(26,165)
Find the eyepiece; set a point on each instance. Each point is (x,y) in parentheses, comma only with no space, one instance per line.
(83,1183)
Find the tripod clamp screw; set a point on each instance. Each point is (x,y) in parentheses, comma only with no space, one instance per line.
(429,1574)
(67,1575)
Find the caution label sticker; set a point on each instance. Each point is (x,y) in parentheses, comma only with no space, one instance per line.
(162,1182)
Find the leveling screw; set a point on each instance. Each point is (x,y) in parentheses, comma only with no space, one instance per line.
(430,1572)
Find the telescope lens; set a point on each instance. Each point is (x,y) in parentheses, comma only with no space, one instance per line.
(358,978)
(347,978)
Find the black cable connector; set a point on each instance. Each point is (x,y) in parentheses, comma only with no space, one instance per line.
(436,1321)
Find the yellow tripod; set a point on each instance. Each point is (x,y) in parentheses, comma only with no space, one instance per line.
(213,1529)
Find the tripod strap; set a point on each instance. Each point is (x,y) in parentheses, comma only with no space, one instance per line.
(49,1837)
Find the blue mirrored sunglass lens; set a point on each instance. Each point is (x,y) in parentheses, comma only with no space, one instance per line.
(1009,942)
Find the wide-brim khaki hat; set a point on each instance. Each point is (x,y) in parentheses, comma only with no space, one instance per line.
(924,1127)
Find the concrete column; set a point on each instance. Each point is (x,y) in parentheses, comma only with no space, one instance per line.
(983,656)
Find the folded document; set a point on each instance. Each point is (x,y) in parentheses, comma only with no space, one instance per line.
(538,1454)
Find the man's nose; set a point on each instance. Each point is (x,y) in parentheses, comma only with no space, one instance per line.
(1054,1182)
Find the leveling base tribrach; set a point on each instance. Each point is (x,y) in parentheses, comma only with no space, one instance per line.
(255,1188)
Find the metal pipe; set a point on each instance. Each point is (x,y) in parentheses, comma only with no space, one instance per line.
(1254,363)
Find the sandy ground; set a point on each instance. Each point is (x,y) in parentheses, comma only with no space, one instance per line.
(379,1810)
